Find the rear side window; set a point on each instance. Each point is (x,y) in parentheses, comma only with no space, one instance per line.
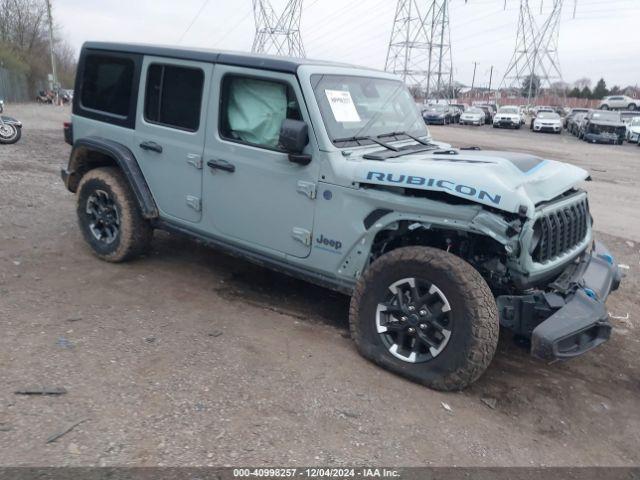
(174,96)
(107,84)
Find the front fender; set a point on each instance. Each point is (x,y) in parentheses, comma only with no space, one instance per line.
(483,223)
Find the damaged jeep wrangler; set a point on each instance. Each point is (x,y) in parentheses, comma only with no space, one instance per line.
(328,173)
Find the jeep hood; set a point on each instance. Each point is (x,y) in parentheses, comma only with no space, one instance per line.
(505,180)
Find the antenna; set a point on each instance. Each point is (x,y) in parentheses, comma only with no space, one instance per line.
(278,34)
(420,47)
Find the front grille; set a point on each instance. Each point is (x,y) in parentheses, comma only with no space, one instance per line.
(561,230)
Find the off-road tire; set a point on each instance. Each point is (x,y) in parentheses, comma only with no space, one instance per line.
(135,232)
(474,337)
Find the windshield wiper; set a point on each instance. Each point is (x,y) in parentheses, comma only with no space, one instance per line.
(371,139)
(397,134)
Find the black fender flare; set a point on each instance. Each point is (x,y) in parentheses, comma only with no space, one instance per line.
(93,152)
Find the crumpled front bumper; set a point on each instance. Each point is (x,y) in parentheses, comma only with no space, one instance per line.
(581,324)
(601,137)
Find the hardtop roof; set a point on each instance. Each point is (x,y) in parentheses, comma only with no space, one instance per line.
(240,59)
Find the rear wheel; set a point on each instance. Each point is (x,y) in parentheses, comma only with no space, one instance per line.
(632,106)
(604,107)
(109,216)
(427,315)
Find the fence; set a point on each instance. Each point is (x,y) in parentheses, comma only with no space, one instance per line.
(13,86)
(552,100)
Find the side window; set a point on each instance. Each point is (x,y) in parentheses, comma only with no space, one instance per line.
(174,96)
(107,84)
(252,110)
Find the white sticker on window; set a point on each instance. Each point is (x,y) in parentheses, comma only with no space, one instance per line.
(342,106)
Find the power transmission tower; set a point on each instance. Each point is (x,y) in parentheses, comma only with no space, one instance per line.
(535,58)
(278,34)
(420,47)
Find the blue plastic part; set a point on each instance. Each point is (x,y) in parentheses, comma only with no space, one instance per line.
(607,257)
(590,293)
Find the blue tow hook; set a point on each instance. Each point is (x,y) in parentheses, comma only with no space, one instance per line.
(607,257)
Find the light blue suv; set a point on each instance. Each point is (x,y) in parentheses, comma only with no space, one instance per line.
(328,173)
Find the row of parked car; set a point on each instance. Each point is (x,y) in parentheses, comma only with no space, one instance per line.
(603,125)
(444,114)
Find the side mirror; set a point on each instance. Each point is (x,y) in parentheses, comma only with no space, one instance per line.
(294,136)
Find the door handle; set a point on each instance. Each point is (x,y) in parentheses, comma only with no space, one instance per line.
(153,146)
(221,165)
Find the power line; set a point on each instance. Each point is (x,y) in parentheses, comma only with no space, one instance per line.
(193,20)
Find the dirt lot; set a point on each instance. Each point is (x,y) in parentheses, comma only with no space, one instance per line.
(190,357)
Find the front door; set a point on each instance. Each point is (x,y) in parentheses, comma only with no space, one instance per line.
(170,132)
(252,193)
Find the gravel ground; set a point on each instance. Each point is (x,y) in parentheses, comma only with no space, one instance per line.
(190,357)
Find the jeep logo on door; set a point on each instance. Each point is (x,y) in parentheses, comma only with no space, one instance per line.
(325,243)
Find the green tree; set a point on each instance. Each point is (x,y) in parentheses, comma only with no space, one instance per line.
(575,93)
(601,90)
(586,93)
(615,90)
(530,83)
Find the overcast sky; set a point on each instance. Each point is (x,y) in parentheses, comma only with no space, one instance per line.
(602,40)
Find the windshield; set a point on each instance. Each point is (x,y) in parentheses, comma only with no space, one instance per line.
(354,106)
(606,116)
(635,122)
(435,108)
(508,110)
(549,115)
(474,110)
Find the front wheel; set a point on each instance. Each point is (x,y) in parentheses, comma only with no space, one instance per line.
(109,217)
(632,106)
(9,133)
(604,107)
(427,315)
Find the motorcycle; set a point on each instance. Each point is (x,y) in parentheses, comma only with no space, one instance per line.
(10,128)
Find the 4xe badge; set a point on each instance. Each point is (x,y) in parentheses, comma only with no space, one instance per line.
(328,244)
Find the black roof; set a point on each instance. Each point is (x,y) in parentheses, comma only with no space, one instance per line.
(266,62)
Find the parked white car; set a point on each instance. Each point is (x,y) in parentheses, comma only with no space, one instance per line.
(633,130)
(472,116)
(547,122)
(509,117)
(620,102)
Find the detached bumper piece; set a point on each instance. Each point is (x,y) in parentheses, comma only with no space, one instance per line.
(573,318)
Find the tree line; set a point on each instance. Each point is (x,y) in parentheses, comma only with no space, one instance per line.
(579,89)
(24,43)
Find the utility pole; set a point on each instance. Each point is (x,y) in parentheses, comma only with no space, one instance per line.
(473,81)
(53,59)
(490,79)
(278,34)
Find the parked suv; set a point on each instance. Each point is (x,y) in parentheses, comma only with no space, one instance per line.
(328,173)
(620,102)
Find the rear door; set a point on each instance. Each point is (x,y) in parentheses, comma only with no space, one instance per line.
(252,193)
(170,132)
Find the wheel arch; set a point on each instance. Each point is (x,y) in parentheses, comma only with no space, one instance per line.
(418,230)
(94,152)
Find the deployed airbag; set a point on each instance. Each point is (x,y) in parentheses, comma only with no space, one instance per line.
(256,110)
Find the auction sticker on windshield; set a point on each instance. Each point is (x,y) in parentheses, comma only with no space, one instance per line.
(342,106)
